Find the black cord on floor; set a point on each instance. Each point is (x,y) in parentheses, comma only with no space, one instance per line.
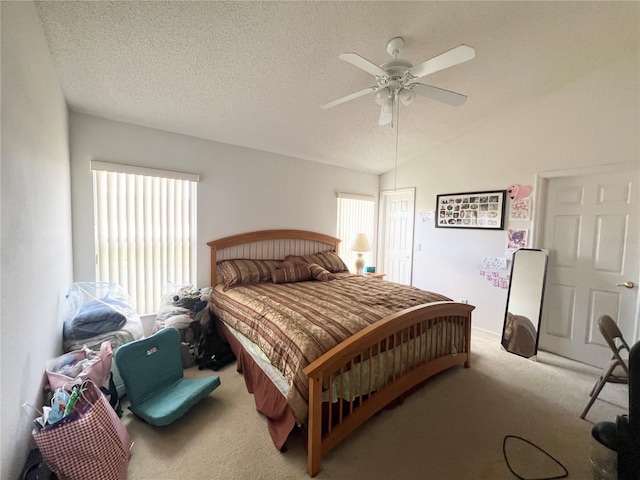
(504,453)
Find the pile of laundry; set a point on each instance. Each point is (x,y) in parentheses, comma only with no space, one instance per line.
(182,308)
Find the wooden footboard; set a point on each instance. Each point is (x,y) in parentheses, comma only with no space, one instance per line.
(377,365)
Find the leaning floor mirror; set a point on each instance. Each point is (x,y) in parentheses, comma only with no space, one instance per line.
(524,302)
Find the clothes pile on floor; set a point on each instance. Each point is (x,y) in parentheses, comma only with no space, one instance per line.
(184,309)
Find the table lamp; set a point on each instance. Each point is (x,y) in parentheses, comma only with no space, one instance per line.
(360,245)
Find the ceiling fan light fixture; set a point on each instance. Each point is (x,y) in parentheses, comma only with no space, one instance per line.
(386,112)
(387,107)
(382,95)
(406,96)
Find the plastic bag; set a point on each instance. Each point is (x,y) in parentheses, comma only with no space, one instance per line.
(172,309)
(35,468)
(96,308)
(79,366)
(181,308)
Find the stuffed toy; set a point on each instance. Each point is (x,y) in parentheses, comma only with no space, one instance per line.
(518,192)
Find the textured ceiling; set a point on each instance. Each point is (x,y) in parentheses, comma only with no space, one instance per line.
(255,73)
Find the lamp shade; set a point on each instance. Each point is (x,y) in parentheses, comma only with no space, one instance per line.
(361,244)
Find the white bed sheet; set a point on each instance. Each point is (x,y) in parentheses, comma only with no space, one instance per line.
(262,361)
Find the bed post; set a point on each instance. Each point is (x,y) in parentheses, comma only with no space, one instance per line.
(467,321)
(213,274)
(314,437)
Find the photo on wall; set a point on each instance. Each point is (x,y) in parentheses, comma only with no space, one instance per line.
(517,238)
(520,209)
(477,210)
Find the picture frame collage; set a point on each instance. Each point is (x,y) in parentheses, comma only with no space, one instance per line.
(475,210)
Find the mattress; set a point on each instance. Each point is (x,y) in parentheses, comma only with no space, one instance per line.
(293,324)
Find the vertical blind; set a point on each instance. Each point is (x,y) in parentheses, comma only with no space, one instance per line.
(145,230)
(356,214)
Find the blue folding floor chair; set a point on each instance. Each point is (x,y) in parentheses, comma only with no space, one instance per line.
(151,369)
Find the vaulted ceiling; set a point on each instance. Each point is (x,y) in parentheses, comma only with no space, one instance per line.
(254,74)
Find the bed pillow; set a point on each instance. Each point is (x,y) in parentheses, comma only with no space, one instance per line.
(327,260)
(242,271)
(320,273)
(293,261)
(291,274)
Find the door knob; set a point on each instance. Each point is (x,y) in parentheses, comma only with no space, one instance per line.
(625,284)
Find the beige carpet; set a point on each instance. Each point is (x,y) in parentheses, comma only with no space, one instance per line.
(453,428)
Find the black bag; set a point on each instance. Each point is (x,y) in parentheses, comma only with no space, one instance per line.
(35,468)
(112,394)
(213,351)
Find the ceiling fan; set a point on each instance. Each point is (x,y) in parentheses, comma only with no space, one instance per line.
(395,80)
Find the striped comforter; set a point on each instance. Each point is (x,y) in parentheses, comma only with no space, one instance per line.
(295,323)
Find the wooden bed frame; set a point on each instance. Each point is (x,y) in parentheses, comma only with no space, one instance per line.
(440,332)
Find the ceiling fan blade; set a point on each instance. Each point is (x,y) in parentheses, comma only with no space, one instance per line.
(363,64)
(445,96)
(346,98)
(459,54)
(386,112)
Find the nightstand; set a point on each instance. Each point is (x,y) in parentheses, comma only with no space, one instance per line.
(375,276)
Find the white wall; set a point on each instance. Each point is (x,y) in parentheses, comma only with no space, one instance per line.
(36,223)
(240,189)
(592,121)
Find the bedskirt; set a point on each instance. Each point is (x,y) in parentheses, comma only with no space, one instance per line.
(268,399)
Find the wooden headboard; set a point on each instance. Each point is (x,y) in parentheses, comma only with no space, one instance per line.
(269,245)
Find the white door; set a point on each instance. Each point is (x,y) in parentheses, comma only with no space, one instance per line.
(590,227)
(397,235)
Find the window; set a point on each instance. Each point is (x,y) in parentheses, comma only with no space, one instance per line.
(145,230)
(356,214)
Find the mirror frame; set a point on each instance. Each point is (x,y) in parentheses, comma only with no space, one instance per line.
(542,290)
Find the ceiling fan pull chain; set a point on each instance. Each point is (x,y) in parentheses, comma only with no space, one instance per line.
(395,173)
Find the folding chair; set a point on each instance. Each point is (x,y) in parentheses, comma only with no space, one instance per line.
(151,369)
(617,370)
